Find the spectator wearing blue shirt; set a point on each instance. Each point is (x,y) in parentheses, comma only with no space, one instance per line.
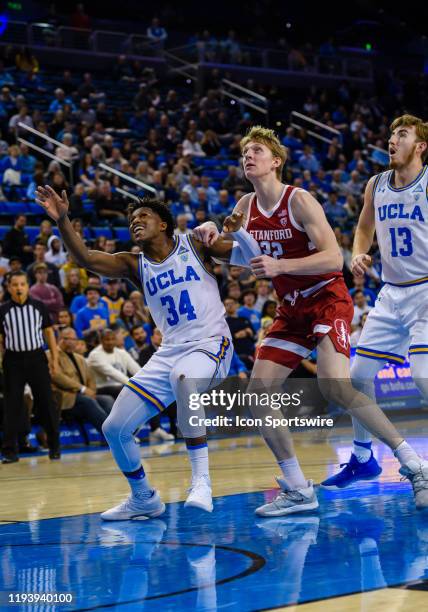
(333,210)
(183,207)
(60,101)
(224,206)
(93,316)
(211,193)
(247,309)
(359,285)
(157,33)
(28,161)
(308,161)
(290,141)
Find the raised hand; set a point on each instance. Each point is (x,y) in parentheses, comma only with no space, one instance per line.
(207,233)
(56,206)
(233,222)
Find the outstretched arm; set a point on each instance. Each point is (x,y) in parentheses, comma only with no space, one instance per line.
(117,265)
(364,233)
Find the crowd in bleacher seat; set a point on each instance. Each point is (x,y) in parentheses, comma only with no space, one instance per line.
(183,146)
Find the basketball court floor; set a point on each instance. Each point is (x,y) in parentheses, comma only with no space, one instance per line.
(366,549)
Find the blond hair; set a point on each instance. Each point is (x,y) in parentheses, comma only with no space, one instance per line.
(421,129)
(267,137)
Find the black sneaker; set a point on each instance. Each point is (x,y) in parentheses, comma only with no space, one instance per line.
(54,454)
(10,459)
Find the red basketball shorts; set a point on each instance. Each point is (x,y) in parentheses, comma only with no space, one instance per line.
(298,325)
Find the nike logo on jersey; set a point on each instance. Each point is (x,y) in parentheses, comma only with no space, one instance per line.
(254,218)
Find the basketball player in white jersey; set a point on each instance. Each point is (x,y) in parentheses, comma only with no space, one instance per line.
(196,351)
(396,207)
(300,254)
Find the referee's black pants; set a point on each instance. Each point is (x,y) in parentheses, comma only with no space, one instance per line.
(20,368)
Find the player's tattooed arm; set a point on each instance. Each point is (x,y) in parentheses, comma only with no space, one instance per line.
(117,265)
(364,233)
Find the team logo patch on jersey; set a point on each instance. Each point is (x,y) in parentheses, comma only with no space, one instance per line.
(342,333)
(283,221)
(183,253)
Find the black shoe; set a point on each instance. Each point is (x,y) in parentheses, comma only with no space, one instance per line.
(54,454)
(27,448)
(10,459)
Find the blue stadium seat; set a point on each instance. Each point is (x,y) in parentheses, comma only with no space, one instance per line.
(3,230)
(122,234)
(102,231)
(32,233)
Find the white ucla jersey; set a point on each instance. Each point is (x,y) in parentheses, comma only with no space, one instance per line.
(402,228)
(182,296)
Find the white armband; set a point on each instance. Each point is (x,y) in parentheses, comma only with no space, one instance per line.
(245,247)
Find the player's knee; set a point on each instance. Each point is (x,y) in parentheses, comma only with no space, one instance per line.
(110,430)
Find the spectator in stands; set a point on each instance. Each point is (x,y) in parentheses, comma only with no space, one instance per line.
(224,206)
(56,254)
(334,211)
(4,264)
(16,241)
(355,185)
(233,181)
(156,33)
(247,309)
(192,188)
(93,316)
(242,332)
(72,286)
(112,366)
(210,144)
(182,227)
(113,299)
(60,101)
(139,337)
(80,19)
(88,90)
(355,335)
(43,291)
(358,285)
(65,319)
(28,161)
(74,386)
(39,254)
(108,204)
(191,146)
(211,193)
(25,61)
(360,307)
(263,289)
(308,161)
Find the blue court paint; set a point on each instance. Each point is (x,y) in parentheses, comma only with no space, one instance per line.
(367,537)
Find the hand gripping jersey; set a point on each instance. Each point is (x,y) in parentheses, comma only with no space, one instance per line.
(280,236)
(402,228)
(182,295)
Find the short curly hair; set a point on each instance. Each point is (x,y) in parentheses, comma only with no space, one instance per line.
(157,206)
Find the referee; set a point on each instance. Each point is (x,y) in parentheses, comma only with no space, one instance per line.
(23,323)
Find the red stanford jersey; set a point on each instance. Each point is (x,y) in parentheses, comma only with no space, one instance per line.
(280,236)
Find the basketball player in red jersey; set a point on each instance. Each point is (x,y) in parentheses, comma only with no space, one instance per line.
(294,245)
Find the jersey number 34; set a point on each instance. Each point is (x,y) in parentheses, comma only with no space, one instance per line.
(185,307)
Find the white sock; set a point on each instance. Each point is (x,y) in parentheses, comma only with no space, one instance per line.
(293,474)
(360,433)
(405,453)
(199,461)
(362,451)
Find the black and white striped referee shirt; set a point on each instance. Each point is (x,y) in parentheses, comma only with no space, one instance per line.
(22,325)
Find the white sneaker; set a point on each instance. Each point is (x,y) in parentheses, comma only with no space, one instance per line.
(289,501)
(417,473)
(160,434)
(200,494)
(135,509)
